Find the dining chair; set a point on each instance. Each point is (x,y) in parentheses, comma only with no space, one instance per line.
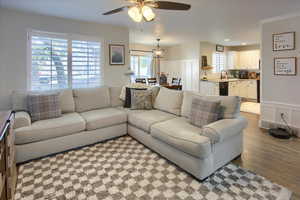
(152,81)
(140,80)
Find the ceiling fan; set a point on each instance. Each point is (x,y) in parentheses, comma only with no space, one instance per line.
(143,9)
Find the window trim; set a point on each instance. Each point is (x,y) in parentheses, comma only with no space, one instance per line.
(215,68)
(139,63)
(70,38)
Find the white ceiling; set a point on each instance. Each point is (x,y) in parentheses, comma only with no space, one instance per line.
(208,20)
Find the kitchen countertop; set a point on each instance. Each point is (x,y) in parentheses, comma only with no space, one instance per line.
(227,80)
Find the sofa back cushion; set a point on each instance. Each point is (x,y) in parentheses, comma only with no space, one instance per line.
(115,99)
(169,101)
(91,98)
(19,100)
(229,109)
(67,104)
(43,106)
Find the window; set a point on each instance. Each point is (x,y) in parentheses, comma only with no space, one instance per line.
(58,62)
(85,64)
(219,60)
(141,65)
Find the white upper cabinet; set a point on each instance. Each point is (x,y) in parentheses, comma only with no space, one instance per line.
(232,59)
(243,59)
(249,59)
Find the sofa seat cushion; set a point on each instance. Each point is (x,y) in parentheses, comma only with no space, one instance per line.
(67,124)
(144,120)
(180,134)
(102,118)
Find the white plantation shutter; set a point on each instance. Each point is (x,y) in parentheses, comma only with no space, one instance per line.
(219,60)
(49,58)
(85,64)
(58,62)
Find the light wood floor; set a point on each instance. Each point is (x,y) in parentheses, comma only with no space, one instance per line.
(277,160)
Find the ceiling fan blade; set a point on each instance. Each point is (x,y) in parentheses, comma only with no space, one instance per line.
(114,11)
(168,5)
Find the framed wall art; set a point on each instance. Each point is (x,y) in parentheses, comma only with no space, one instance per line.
(285,66)
(116,54)
(284,41)
(219,48)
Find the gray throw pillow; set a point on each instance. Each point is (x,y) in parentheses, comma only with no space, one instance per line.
(43,106)
(141,99)
(204,112)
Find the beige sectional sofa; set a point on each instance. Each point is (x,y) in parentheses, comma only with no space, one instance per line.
(94,115)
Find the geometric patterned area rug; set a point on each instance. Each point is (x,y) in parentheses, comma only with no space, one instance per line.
(125,169)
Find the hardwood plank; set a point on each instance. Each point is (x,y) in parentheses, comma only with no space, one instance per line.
(277,160)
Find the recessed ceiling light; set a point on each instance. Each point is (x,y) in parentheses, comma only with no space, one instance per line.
(244,43)
(227,40)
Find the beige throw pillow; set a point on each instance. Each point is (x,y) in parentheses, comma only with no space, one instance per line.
(169,100)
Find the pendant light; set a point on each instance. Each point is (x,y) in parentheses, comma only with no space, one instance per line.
(158,52)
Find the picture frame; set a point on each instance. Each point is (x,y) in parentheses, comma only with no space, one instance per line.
(284,41)
(220,48)
(116,54)
(285,66)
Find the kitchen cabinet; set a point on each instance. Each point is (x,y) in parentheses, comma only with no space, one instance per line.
(243,92)
(234,88)
(252,89)
(209,88)
(243,59)
(249,59)
(232,59)
(244,88)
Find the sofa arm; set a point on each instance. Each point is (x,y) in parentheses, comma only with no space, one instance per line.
(221,130)
(22,119)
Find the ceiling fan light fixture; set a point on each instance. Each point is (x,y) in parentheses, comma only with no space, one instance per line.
(135,14)
(148,13)
(158,52)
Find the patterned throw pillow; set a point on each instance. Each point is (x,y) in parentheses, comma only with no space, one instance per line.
(43,106)
(127,103)
(141,99)
(204,112)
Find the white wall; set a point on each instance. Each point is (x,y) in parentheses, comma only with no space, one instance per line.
(183,61)
(13,43)
(280,94)
(141,47)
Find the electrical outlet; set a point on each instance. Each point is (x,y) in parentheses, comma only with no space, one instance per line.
(282,113)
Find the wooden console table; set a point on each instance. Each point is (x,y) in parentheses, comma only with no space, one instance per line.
(8,169)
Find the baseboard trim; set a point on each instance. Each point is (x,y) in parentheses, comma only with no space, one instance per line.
(268,124)
(271,115)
